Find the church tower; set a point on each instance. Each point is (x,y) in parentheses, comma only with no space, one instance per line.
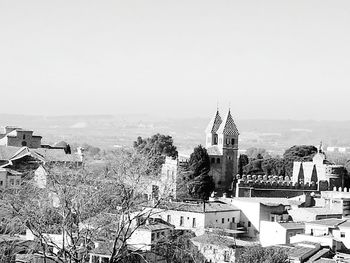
(222,147)
(228,142)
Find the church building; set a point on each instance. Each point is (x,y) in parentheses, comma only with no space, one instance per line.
(222,147)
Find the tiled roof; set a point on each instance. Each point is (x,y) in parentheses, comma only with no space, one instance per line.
(198,207)
(228,126)
(214,150)
(269,201)
(6,152)
(214,123)
(57,155)
(156,226)
(321,211)
(46,155)
(345,224)
(292,225)
(214,239)
(331,222)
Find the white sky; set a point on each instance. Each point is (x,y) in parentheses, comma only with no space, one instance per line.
(270,59)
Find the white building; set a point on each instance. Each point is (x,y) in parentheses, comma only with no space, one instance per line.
(198,216)
(274,233)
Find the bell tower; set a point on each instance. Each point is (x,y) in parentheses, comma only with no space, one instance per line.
(228,142)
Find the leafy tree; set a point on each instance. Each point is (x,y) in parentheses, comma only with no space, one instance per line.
(199,183)
(156,147)
(303,153)
(243,160)
(253,153)
(254,167)
(274,166)
(83,206)
(257,254)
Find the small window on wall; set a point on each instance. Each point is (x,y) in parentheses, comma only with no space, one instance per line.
(12,181)
(342,234)
(194,222)
(24,143)
(168,219)
(181,220)
(233,220)
(24,136)
(223,220)
(227,141)
(249,224)
(233,141)
(218,160)
(212,160)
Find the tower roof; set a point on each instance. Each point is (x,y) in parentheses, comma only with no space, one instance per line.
(214,123)
(228,126)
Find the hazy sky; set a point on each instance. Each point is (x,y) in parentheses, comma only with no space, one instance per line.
(270,59)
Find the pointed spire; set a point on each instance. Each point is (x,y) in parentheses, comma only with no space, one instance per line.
(228,125)
(214,123)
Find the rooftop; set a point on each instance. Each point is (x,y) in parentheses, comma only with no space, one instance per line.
(292,225)
(214,239)
(330,222)
(269,201)
(199,207)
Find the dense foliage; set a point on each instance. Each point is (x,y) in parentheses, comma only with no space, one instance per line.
(277,165)
(156,147)
(257,254)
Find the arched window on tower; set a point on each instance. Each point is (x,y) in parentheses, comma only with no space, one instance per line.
(215,139)
(24,136)
(233,141)
(227,141)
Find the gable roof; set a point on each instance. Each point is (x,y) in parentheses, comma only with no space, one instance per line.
(228,126)
(214,123)
(329,222)
(11,153)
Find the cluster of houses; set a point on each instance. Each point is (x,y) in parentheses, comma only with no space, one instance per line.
(311,224)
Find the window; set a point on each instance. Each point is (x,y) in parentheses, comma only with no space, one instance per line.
(226,256)
(233,220)
(223,220)
(342,234)
(249,224)
(181,220)
(218,160)
(1,183)
(272,219)
(168,219)
(215,139)
(212,160)
(24,136)
(193,222)
(17,182)
(24,143)
(228,219)
(12,181)
(153,236)
(232,141)
(227,141)
(158,234)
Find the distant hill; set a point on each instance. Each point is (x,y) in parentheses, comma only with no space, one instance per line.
(106,131)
